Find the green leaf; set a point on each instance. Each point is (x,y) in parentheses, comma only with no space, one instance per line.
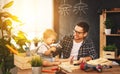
(36,61)
(8,4)
(6,23)
(110,47)
(108,23)
(15,18)
(9,15)
(5,14)
(1,64)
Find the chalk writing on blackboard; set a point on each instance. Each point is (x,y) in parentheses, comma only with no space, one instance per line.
(64,9)
(80,8)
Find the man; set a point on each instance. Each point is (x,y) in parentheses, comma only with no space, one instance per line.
(78,45)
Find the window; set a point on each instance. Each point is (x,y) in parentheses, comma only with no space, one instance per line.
(36,15)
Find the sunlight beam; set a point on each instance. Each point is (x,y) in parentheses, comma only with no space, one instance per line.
(36,15)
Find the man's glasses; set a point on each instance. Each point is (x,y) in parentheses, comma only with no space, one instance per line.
(77,32)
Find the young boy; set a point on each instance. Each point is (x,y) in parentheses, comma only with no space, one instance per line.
(45,50)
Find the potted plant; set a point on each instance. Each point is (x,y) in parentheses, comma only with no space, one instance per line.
(36,40)
(110,48)
(108,26)
(36,63)
(6,31)
(110,51)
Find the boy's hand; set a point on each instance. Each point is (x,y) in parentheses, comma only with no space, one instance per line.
(53,49)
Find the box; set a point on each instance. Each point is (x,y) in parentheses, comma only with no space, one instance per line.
(22,61)
(109,54)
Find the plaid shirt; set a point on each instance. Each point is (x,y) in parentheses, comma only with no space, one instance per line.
(87,48)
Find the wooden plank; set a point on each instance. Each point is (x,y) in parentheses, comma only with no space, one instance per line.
(102,31)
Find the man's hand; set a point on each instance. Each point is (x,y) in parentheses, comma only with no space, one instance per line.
(84,59)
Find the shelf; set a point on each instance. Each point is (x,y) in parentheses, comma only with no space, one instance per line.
(116,59)
(112,11)
(113,35)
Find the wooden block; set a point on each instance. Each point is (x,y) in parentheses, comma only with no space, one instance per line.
(109,54)
(22,61)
